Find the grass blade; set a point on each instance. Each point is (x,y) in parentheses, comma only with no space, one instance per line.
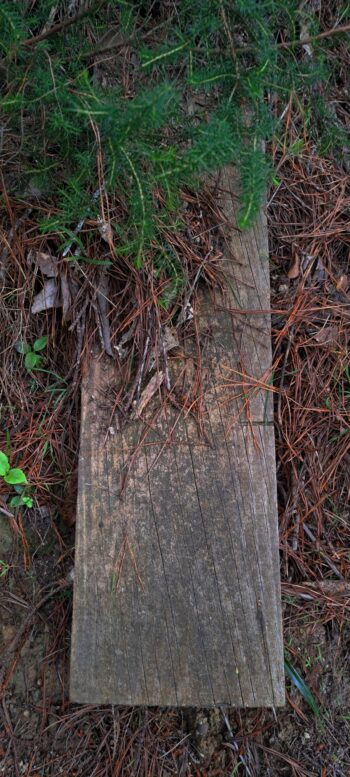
(302,687)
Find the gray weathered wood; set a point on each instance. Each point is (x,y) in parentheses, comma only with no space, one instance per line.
(177,590)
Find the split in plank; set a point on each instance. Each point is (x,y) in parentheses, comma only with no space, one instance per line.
(177,588)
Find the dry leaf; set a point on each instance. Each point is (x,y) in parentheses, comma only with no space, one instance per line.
(47,297)
(294,269)
(304,35)
(319,273)
(342,283)
(148,392)
(106,231)
(121,348)
(66,297)
(46,263)
(329,334)
(170,339)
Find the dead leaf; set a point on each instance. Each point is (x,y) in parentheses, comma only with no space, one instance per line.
(294,269)
(307,264)
(319,273)
(304,35)
(328,334)
(148,392)
(46,263)
(121,347)
(106,231)
(47,297)
(66,297)
(342,283)
(170,339)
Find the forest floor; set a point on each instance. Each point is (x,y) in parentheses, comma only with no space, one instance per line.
(42,733)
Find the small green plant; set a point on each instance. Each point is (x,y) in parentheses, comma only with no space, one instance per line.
(206,91)
(32,358)
(302,687)
(4,568)
(15,477)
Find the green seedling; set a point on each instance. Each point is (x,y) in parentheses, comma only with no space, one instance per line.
(15,477)
(32,358)
(4,568)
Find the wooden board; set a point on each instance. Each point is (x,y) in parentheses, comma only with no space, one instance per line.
(177,589)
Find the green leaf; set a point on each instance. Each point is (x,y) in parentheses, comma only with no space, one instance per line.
(16,501)
(31,361)
(296,147)
(301,685)
(40,343)
(4,568)
(22,347)
(15,476)
(4,464)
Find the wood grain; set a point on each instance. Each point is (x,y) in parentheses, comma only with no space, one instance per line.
(177,589)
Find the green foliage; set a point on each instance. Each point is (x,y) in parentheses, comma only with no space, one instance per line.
(15,477)
(4,568)
(302,687)
(218,56)
(32,358)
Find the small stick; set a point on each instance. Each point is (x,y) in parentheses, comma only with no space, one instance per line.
(60,26)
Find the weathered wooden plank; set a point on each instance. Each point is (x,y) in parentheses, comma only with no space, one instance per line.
(177,591)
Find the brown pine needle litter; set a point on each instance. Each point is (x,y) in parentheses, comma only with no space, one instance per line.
(308,212)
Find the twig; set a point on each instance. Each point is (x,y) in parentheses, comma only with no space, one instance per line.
(289,43)
(283,371)
(165,360)
(312,38)
(328,561)
(61,26)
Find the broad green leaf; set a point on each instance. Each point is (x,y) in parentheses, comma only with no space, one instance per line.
(27,501)
(22,347)
(301,685)
(40,343)
(15,476)
(32,360)
(4,464)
